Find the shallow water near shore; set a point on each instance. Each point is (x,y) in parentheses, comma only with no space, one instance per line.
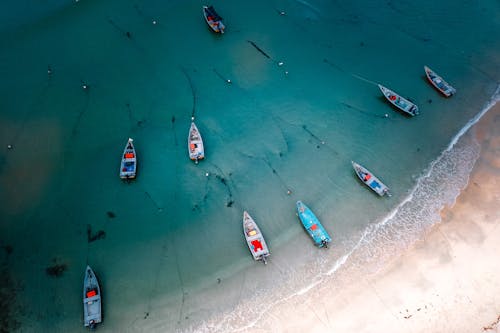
(168,248)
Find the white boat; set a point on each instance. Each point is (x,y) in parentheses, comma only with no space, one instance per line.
(91,299)
(398,101)
(255,240)
(437,81)
(370,180)
(128,166)
(213,19)
(195,144)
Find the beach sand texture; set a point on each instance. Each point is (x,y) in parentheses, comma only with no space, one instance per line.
(447,282)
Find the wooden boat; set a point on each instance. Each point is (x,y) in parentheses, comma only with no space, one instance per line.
(195,144)
(437,81)
(213,19)
(255,240)
(370,180)
(312,225)
(128,167)
(398,101)
(91,299)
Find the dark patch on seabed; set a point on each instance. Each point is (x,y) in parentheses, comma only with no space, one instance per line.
(8,249)
(8,292)
(56,270)
(91,237)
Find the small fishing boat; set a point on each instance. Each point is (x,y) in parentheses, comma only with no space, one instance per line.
(398,101)
(255,240)
(91,299)
(213,19)
(312,225)
(437,81)
(370,180)
(128,166)
(195,144)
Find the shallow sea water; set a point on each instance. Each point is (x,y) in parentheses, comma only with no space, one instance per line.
(173,257)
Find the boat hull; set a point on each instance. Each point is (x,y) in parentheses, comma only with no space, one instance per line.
(254,238)
(128,166)
(398,101)
(196,149)
(92,313)
(370,180)
(213,19)
(438,83)
(313,225)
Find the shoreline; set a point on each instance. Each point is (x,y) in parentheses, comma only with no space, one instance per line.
(447,281)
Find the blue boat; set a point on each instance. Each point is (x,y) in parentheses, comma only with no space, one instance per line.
(312,225)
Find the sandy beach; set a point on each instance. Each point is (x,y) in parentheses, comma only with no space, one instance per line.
(447,282)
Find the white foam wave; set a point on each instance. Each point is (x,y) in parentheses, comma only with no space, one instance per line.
(493,100)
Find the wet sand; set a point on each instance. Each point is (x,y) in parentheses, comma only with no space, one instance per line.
(447,282)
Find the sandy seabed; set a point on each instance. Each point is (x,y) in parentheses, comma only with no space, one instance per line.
(447,282)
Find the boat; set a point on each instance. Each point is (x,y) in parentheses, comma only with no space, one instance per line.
(255,240)
(437,81)
(370,180)
(91,299)
(398,101)
(128,167)
(213,19)
(195,144)
(312,225)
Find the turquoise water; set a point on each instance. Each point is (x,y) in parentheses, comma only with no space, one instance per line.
(173,257)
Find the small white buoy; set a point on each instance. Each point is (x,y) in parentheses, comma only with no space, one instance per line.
(9,146)
(282,13)
(154,22)
(206,174)
(280,63)
(84,86)
(286,72)
(288,192)
(323,142)
(228,81)
(386,115)
(192,118)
